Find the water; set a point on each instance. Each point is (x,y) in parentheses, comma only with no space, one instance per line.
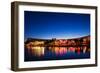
(56,53)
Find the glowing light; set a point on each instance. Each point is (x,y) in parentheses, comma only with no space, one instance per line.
(38,51)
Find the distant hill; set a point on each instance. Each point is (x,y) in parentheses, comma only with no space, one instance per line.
(30,39)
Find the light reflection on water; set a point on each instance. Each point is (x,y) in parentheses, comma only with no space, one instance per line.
(50,53)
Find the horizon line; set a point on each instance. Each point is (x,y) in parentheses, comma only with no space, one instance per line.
(61,38)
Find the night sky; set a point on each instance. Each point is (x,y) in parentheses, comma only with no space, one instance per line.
(48,25)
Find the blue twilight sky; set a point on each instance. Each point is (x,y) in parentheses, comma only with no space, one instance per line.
(48,25)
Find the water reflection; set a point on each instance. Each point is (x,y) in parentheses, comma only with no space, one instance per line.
(38,51)
(50,53)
